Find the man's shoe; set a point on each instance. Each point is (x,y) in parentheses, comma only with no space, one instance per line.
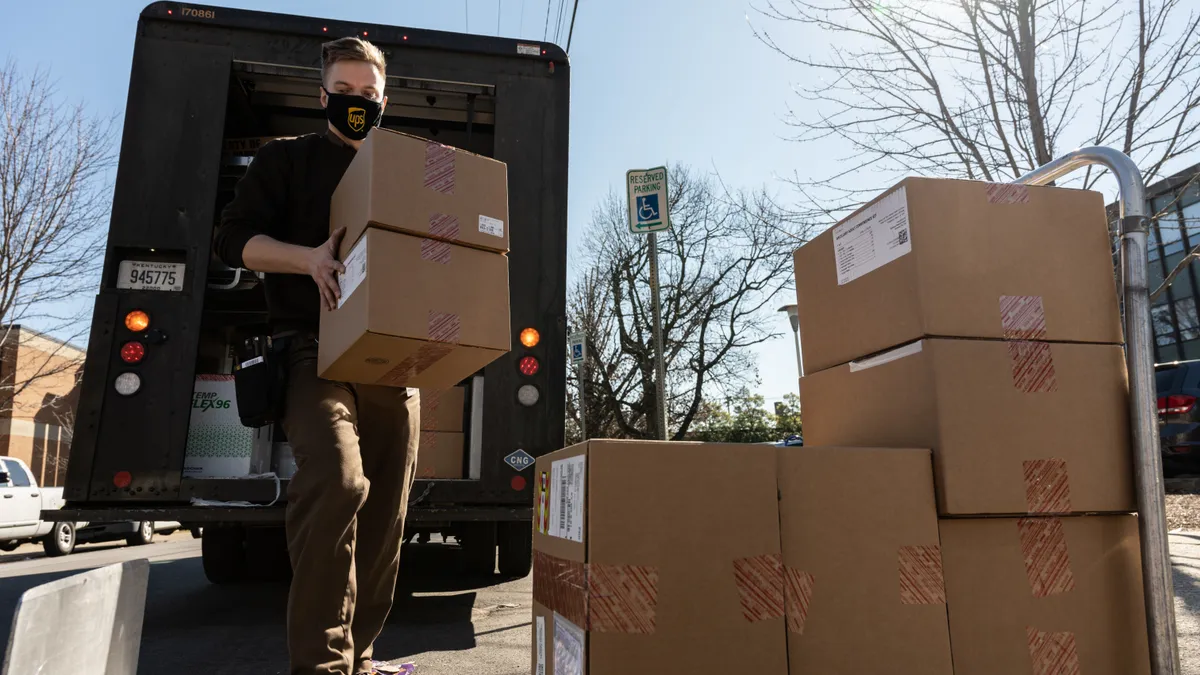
(385,669)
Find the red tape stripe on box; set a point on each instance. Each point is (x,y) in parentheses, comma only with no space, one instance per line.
(760,584)
(1047,562)
(416,363)
(622,598)
(435,251)
(1053,653)
(561,586)
(1022,317)
(798,592)
(1032,367)
(1007,193)
(1047,489)
(921,581)
(439,168)
(442,226)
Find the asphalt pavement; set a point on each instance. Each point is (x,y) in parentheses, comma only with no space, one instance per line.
(445,624)
(442,622)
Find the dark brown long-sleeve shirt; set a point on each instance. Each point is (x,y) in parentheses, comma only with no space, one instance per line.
(285,195)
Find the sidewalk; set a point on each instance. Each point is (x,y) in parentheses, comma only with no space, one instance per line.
(1185,556)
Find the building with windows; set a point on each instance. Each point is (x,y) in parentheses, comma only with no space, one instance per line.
(1175,202)
(39,387)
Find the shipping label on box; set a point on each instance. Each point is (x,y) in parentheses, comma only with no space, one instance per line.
(218,445)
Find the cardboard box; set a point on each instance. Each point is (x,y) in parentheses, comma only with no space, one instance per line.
(218,446)
(1045,595)
(953,258)
(863,564)
(440,455)
(415,313)
(413,185)
(1015,427)
(442,409)
(657,558)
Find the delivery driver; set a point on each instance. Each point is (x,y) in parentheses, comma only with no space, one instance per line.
(355,445)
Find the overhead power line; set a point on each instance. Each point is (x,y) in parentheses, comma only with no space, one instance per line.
(497,18)
(546,30)
(571,33)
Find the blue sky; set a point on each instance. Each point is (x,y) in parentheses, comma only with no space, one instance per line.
(718,95)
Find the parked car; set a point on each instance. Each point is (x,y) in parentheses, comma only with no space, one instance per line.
(1178,387)
(22,502)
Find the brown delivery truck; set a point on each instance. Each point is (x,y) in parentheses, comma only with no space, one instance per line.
(155,438)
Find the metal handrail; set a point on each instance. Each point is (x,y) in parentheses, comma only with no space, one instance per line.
(1139,359)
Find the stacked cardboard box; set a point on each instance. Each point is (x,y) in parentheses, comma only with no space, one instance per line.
(980,320)
(441,448)
(657,558)
(424,299)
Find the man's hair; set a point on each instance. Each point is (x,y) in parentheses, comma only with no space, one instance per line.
(351,49)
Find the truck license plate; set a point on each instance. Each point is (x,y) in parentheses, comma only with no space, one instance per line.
(141,275)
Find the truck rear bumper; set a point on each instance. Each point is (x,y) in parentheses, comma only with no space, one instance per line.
(272,515)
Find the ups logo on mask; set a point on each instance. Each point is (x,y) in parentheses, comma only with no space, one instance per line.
(357,118)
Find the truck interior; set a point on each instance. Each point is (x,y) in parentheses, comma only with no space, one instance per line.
(267,101)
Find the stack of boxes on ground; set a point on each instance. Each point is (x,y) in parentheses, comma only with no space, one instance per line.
(424,298)
(963,505)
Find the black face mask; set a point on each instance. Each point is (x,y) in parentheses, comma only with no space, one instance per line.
(354,116)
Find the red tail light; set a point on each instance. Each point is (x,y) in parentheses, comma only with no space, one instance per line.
(122,479)
(529,365)
(133,352)
(1176,404)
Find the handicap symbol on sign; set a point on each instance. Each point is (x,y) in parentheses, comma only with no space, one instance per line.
(647,208)
(577,352)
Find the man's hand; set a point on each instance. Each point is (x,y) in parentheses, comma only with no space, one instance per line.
(324,267)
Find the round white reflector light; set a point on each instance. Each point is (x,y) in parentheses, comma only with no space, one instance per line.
(528,395)
(127,384)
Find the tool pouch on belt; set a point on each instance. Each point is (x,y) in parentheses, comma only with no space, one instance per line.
(260,379)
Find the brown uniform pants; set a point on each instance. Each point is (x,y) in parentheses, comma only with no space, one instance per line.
(356,455)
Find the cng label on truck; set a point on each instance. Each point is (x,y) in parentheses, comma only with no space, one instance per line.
(519,460)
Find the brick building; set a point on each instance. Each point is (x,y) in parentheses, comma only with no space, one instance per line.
(39,386)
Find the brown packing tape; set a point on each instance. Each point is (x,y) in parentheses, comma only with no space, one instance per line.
(1022,317)
(921,579)
(1047,561)
(598,597)
(1007,193)
(622,598)
(1052,653)
(439,168)
(1032,367)
(1047,488)
(798,592)
(560,585)
(443,226)
(759,582)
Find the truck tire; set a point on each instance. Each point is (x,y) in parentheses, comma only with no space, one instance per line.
(478,541)
(267,555)
(60,541)
(223,553)
(144,534)
(516,549)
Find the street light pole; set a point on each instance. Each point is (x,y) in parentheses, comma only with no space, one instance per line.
(794,317)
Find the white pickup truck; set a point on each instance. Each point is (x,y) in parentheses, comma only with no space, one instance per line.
(21,506)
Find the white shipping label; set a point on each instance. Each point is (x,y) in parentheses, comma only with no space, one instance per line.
(492,226)
(529,50)
(569,651)
(886,357)
(872,238)
(356,270)
(566,498)
(541,646)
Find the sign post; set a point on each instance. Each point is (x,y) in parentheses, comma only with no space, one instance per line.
(578,348)
(648,202)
